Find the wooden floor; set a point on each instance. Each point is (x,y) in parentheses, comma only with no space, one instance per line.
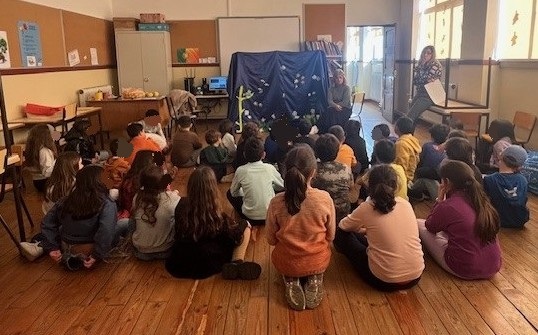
(135,297)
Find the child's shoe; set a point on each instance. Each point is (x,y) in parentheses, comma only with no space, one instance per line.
(31,250)
(241,270)
(313,290)
(294,293)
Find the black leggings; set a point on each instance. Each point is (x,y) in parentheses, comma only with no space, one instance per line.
(40,184)
(237,204)
(353,246)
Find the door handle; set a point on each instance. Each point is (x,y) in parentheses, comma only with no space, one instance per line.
(146,79)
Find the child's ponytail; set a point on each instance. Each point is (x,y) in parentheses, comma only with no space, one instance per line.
(300,165)
(382,183)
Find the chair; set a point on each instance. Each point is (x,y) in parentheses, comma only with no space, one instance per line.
(180,103)
(16,149)
(358,98)
(523,127)
(470,122)
(3,161)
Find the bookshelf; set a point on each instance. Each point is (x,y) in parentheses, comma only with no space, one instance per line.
(333,53)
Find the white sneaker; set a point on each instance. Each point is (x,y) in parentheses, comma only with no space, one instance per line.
(31,250)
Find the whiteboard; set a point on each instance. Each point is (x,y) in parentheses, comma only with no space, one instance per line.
(256,34)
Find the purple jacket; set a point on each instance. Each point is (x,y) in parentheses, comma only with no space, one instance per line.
(465,253)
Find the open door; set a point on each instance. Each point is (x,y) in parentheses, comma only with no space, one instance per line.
(389,73)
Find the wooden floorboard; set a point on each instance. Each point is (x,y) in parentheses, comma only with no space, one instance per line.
(128,296)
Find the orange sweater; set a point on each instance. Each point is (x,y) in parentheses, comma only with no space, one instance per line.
(302,241)
(141,143)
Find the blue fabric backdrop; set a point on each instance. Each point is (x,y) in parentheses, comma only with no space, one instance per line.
(276,84)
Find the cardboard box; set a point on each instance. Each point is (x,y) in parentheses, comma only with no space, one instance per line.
(153,27)
(125,23)
(152,18)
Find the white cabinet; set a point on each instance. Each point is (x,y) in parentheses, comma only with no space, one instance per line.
(144,60)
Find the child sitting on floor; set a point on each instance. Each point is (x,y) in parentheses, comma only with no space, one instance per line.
(507,188)
(228,139)
(345,153)
(214,155)
(380,238)
(115,167)
(254,184)
(300,226)
(186,145)
(208,241)
(153,129)
(152,216)
(40,155)
(139,141)
(407,147)
(332,176)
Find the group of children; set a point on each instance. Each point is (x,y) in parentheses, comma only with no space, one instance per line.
(300,191)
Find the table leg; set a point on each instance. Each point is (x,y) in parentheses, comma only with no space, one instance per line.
(101,130)
(18,199)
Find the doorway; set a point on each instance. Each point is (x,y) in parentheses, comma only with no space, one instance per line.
(370,64)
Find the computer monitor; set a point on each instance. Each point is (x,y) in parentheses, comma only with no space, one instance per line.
(218,84)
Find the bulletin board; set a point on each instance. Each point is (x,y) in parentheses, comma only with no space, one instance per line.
(49,21)
(256,34)
(83,32)
(201,34)
(325,19)
(60,32)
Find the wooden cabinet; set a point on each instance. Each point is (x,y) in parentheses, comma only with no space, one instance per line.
(144,60)
(118,113)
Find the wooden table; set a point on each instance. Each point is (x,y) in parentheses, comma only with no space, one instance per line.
(11,127)
(81,112)
(207,102)
(118,113)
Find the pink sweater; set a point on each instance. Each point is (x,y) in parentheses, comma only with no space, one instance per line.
(302,241)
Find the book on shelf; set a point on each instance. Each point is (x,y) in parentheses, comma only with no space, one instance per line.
(330,49)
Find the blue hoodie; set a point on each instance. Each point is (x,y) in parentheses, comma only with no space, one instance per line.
(508,194)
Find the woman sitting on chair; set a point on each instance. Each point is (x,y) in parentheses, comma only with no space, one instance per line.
(339,99)
(428,70)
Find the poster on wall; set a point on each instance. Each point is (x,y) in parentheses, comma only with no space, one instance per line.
(4,51)
(30,42)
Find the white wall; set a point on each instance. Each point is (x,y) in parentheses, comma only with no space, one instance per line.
(100,8)
(358,12)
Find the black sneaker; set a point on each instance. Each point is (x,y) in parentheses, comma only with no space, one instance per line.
(241,270)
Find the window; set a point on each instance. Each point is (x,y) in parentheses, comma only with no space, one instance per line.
(518,35)
(440,25)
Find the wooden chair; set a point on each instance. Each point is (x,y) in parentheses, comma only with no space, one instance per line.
(358,98)
(176,112)
(16,149)
(3,163)
(523,127)
(470,121)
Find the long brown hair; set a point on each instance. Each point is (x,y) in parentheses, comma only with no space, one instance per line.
(300,164)
(461,178)
(432,50)
(204,215)
(62,178)
(147,195)
(142,160)
(88,194)
(38,137)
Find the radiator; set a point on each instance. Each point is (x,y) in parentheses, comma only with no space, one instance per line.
(88,93)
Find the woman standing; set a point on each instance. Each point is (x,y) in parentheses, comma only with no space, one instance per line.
(339,99)
(428,70)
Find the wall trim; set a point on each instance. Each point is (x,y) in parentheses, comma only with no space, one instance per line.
(33,70)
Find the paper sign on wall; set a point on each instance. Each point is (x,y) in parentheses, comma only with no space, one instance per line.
(5,61)
(93,56)
(30,43)
(73,57)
